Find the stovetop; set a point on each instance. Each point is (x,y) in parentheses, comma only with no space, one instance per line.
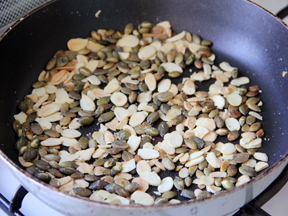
(31,206)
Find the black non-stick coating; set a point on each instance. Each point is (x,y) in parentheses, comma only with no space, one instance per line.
(243,34)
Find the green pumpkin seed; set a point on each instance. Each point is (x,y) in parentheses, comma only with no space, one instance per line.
(131,187)
(153,117)
(126,156)
(168,164)
(84,192)
(36,129)
(178,183)
(132,97)
(123,135)
(165,96)
(250,120)
(84,142)
(42,176)
(42,165)
(169,194)
(161,200)
(51,63)
(188,194)
(120,145)
(174,74)
(151,131)
(30,154)
(105,117)
(86,120)
(233,135)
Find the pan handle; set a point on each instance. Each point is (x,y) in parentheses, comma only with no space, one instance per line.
(283,13)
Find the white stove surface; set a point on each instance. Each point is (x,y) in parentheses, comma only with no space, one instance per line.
(276,206)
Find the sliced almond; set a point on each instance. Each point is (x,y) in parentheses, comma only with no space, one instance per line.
(137,119)
(21,117)
(189,87)
(118,98)
(150,81)
(151,177)
(170,67)
(232,124)
(260,166)
(176,37)
(142,166)
(228,148)
(234,99)
(128,41)
(261,156)
(87,103)
(200,131)
(213,160)
(176,139)
(144,97)
(70,133)
(129,165)
(219,101)
(240,81)
(166,185)
(147,153)
(195,161)
(167,147)
(147,52)
(77,44)
(142,198)
(51,142)
(48,109)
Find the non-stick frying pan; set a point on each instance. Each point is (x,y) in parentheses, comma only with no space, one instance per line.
(243,34)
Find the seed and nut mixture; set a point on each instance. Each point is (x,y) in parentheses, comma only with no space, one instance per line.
(158,132)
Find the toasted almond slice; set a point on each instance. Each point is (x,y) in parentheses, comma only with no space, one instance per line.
(164,85)
(99,137)
(166,47)
(211,136)
(151,177)
(39,92)
(250,163)
(137,119)
(112,124)
(225,66)
(70,133)
(50,89)
(128,41)
(48,109)
(97,93)
(189,87)
(118,98)
(142,184)
(111,88)
(134,142)
(228,148)
(193,47)
(108,137)
(173,89)
(68,141)
(85,168)
(166,185)
(150,81)
(34,97)
(128,166)
(234,99)
(98,170)
(219,101)
(99,195)
(21,117)
(142,166)
(200,131)
(147,153)
(170,67)
(176,139)
(206,180)
(167,147)
(55,117)
(94,47)
(144,97)
(195,161)
(44,123)
(92,79)
(86,103)
(120,113)
(242,180)
(77,44)
(122,123)
(256,115)
(240,81)
(213,160)
(260,166)
(206,122)
(142,198)
(232,124)
(261,156)
(74,124)
(176,37)
(24,163)
(172,113)
(123,55)
(145,107)
(222,77)
(51,142)
(147,52)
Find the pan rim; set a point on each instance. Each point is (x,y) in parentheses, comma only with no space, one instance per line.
(14,166)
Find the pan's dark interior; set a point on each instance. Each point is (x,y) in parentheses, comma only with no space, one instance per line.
(243,34)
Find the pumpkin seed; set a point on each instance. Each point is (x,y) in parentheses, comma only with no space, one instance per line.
(105,117)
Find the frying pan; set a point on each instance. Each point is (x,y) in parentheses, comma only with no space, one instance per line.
(243,34)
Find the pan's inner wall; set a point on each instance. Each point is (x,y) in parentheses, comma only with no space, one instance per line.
(243,34)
